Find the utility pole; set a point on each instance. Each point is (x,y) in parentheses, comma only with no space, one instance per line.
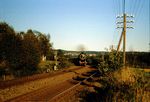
(124,39)
(123,34)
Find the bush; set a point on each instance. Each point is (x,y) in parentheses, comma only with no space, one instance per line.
(64,64)
(45,65)
(110,62)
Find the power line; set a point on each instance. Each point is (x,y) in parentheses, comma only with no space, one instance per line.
(130,6)
(119,7)
(120,12)
(124,7)
(116,12)
(138,7)
(134,6)
(115,7)
(138,14)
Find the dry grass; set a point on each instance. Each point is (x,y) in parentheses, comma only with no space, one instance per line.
(123,85)
(136,79)
(126,75)
(145,70)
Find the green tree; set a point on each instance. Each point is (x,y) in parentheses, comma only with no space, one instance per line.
(44,43)
(9,46)
(110,61)
(7,38)
(31,52)
(20,53)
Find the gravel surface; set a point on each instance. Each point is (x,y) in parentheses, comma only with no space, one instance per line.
(55,83)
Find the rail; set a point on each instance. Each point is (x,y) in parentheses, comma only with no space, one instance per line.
(69,90)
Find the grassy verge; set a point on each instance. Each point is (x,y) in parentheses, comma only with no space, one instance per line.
(123,85)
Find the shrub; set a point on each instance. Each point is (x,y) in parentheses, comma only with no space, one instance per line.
(64,64)
(45,65)
(110,62)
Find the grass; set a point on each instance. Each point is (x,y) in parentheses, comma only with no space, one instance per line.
(125,75)
(123,85)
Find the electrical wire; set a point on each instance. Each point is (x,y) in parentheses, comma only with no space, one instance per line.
(116,11)
(138,14)
(119,7)
(134,6)
(114,7)
(130,6)
(138,7)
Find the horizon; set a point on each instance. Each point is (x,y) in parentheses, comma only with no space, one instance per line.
(99,51)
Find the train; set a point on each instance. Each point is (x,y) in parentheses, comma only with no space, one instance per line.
(82,59)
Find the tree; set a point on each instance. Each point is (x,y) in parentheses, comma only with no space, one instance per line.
(9,45)
(7,38)
(20,53)
(10,49)
(31,52)
(44,43)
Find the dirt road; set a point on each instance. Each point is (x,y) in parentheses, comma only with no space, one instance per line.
(44,89)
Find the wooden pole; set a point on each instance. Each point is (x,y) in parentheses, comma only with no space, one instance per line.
(124,40)
(119,42)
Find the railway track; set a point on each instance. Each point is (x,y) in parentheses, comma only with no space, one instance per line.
(69,91)
(9,83)
(54,93)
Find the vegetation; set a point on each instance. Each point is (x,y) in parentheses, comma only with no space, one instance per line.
(110,61)
(64,61)
(20,53)
(138,59)
(123,85)
(118,84)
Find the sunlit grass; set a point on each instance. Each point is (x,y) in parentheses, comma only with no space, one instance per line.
(123,85)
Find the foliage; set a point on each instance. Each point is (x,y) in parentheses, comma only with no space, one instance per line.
(45,65)
(64,61)
(116,89)
(93,61)
(138,59)
(74,61)
(64,64)
(31,51)
(44,43)
(50,55)
(10,46)
(110,61)
(21,52)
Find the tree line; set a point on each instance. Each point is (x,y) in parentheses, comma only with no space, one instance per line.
(138,59)
(21,52)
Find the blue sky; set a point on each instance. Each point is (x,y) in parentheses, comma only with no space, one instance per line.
(79,22)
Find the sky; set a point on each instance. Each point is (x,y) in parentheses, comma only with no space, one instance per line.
(72,23)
